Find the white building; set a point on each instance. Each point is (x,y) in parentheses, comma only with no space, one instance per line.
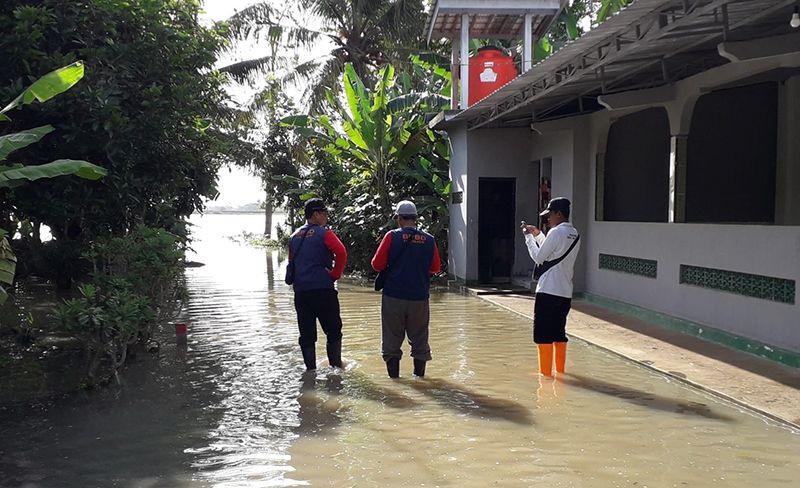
(674,129)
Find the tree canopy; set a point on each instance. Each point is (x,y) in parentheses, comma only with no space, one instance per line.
(151,111)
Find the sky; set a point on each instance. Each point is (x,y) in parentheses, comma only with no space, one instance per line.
(236,186)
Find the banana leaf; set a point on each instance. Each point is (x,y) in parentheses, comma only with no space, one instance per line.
(48,86)
(11,142)
(11,176)
(8,266)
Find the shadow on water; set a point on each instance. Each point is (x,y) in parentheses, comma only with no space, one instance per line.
(464,400)
(642,398)
(323,404)
(360,386)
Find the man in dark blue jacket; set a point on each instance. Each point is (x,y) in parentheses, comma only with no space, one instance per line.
(317,258)
(409,256)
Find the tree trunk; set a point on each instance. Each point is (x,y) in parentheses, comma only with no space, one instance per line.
(270,271)
(268,209)
(37,234)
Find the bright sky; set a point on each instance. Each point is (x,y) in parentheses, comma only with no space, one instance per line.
(236,186)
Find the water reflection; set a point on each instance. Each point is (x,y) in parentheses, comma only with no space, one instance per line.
(359,385)
(320,411)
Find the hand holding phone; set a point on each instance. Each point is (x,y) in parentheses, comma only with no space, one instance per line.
(529,229)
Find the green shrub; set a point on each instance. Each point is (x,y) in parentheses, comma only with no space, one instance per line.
(151,260)
(107,318)
(136,284)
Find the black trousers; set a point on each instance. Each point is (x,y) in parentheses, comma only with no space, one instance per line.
(550,318)
(322,305)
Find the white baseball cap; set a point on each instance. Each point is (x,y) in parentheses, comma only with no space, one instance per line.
(406,207)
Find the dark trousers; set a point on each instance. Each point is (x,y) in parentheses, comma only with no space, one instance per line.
(322,305)
(550,318)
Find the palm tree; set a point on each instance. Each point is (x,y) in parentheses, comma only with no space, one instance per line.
(368,34)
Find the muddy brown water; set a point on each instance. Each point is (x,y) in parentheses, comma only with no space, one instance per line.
(234,409)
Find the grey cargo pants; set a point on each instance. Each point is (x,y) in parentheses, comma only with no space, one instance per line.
(405,317)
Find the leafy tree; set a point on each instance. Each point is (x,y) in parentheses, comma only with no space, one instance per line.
(366,35)
(152,111)
(385,145)
(13,176)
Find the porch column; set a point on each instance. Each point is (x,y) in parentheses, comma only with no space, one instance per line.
(677,178)
(464,61)
(527,43)
(455,67)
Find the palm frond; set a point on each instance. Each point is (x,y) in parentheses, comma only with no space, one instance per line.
(328,79)
(245,22)
(302,73)
(334,10)
(244,71)
(430,101)
(265,22)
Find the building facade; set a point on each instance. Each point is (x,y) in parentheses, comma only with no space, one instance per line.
(674,128)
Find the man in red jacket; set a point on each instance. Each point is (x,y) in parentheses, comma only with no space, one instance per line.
(409,256)
(316,260)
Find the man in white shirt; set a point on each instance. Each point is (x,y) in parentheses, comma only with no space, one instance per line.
(555,255)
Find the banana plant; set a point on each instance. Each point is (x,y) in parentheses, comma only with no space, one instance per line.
(14,175)
(609,7)
(381,131)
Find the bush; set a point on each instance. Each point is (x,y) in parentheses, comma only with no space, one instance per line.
(136,284)
(107,319)
(150,260)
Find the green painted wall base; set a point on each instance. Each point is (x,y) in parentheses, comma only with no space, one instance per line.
(734,341)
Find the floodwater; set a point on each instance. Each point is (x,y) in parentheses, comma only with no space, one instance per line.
(234,410)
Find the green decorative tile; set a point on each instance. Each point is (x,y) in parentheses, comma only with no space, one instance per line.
(624,264)
(751,285)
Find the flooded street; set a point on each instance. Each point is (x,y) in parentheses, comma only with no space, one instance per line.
(233,409)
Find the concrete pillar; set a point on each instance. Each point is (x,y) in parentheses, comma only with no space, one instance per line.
(464,61)
(600,185)
(527,43)
(455,67)
(677,178)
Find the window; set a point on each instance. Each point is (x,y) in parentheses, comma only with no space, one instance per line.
(635,168)
(732,156)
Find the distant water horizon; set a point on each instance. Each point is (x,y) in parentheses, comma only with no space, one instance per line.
(236,211)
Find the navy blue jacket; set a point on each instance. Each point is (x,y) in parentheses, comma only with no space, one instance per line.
(410,269)
(313,261)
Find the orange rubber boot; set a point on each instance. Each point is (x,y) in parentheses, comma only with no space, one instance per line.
(546,359)
(561,356)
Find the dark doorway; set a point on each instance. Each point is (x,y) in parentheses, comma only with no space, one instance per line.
(496,226)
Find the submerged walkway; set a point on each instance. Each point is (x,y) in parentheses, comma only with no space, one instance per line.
(767,387)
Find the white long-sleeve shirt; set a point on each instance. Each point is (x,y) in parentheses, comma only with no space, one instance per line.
(558,279)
